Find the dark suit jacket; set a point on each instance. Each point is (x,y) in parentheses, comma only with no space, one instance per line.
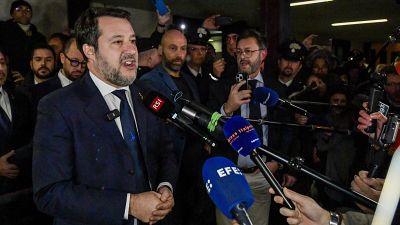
(82,168)
(44,88)
(21,134)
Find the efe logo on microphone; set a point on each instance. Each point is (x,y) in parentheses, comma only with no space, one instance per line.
(157,104)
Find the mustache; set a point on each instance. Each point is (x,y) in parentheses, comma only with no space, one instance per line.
(128,57)
(43,67)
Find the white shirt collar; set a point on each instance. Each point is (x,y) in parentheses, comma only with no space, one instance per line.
(193,71)
(258,78)
(287,83)
(103,87)
(64,80)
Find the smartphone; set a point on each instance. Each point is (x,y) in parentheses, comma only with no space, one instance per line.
(223,20)
(161,7)
(240,77)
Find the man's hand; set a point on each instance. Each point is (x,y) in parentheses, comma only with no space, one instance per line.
(307,211)
(237,98)
(163,208)
(17,77)
(142,205)
(218,67)
(300,119)
(308,41)
(209,23)
(365,121)
(7,169)
(288,180)
(370,187)
(163,20)
(320,85)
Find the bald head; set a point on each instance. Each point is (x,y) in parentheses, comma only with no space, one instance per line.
(173,51)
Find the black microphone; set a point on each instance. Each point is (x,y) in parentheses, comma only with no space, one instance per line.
(164,108)
(113,114)
(178,97)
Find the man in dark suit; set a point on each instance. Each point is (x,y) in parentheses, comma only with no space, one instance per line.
(192,203)
(15,159)
(251,53)
(73,67)
(99,156)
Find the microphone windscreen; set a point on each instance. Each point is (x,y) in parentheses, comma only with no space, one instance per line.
(241,135)
(226,185)
(158,104)
(265,96)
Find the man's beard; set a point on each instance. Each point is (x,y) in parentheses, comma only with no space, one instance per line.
(171,65)
(287,72)
(111,74)
(253,66)
(43,76)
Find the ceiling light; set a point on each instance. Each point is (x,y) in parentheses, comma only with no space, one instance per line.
(309,2)
(359,22)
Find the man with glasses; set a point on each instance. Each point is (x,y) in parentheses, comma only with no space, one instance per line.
(18,36)
(251,53)
(73,67)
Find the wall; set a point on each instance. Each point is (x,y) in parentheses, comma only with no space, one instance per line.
(49,16)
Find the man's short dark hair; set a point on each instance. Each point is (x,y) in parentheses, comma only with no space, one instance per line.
(87,25)
(251,33)
(68,43)
(42,45)
(63,38)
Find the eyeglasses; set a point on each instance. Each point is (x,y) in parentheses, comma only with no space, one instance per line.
(23,9)
(201,50)
(75,62)
(246,52)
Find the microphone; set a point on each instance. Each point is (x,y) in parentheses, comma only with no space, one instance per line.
(242,136)
(162,107)
(197,106)
(113,114)
(270,98)
(228,189)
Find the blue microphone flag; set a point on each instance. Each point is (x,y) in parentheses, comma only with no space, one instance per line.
(241,135)
(226,185)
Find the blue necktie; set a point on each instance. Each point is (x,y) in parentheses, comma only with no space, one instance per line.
(255,111)
(131,140)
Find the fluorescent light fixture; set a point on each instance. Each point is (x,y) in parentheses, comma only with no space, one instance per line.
(210,40)
(309,2)
(359,22)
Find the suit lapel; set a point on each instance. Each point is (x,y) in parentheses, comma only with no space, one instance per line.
(96,110)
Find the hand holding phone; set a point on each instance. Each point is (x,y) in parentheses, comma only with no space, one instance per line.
(240,77)
(161,7)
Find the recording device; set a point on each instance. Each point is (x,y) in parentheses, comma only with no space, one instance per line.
(242,136)
(223,20)
(240,77)
(228,188)
(112,115)
(270,98)
(161,7)
(375,95)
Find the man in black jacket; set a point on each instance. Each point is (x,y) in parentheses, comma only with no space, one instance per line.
(18,35)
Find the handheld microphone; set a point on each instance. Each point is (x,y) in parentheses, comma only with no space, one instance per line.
(242,136)
(162,107)
(183,101)
(228,189)
(270,98)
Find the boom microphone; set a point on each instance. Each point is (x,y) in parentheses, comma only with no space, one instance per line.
(164,108)
(270,98)
(242,136)
(228,189)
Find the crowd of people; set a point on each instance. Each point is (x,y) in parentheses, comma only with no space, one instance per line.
(78,146)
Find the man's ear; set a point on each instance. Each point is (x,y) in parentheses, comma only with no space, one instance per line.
(264,54)
(62,58)
(89,51)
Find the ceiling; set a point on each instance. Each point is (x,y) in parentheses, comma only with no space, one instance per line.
(304,20)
